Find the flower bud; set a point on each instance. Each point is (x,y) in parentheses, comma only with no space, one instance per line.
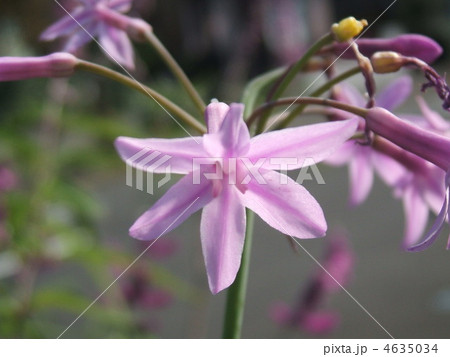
(426,144)
(347,28)
(410,45)
(58,64)
(387,62)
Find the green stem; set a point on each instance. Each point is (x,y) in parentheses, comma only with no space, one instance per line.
(292,72)
(362,112)
(321,90)
(176,70)
(234,313)
(160,99)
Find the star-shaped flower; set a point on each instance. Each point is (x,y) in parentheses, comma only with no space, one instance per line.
(93,18)
(227,171)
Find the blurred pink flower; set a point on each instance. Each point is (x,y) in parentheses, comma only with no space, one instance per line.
(307,313)
(92,18)
(8,179)
(140,292)
(162,249)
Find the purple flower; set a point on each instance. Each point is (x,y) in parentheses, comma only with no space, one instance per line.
(54,65)
(426,144)
(412,45)
(92,18)
(227,171)
(362,159)
(420,187)
(338,263)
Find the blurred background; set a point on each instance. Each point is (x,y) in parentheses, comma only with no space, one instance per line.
(65,208)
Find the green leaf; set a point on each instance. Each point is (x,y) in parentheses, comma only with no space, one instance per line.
(255,86)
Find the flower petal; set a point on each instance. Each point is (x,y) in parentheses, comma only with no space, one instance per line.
(120,5)
(347,93)
(286,206)
(68,24)
(312,142)
(117,45)
(320,322)
(80,37)
(173,208)
(233,137)
(387,168)
(343,155)
(395,94)
(433,118)
(361,175)
(434,231)
(156,155)
(215,113)
(416,216)
(223,234)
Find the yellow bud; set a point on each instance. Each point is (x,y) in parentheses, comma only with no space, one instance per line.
(386,62)
(348,28)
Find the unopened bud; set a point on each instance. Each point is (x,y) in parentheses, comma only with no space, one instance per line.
(387,62)
(60,64)
(348,28)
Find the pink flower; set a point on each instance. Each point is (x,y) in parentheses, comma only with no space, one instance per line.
(427,144)
(307,313)
(96,18)
(362,159)
(236,172)
(417,182)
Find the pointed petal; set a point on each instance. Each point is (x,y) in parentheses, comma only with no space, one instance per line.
(215,113)
(68,24)
(312,142)
(223,233)
(395,94)
(173,208)
(156,155)
(434,231)
(117,45)
(347,93)
(433,187)
(416,216)
(233,137)
(433,118)
(285,206)
(387,168)
(342,155)
(361,175)
(80,37)
(120,5)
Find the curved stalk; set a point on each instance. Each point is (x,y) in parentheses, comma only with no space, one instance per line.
(160,99)
(176,70)
(321,90)
(307,100)
(292,72)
